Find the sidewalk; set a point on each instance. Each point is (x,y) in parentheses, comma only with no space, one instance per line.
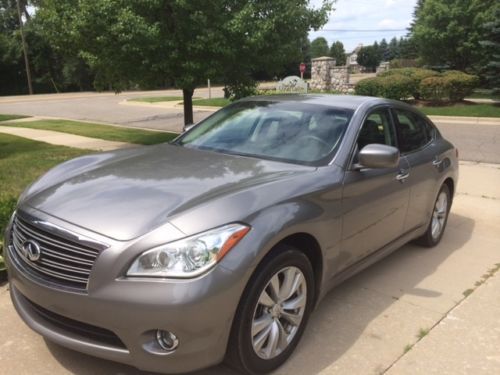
(64,139)
(466,341)
(466,120)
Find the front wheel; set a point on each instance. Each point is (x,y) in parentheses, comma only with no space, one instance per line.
(438,220)
(273,312)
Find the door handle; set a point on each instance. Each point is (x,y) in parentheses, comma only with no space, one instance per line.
(436,162)
(402,175)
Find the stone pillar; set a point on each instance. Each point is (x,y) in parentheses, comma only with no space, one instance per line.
(320,73)
(339,79)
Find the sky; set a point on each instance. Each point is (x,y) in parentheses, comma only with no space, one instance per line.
(365,15)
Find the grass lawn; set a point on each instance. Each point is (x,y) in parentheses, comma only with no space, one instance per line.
(107,132)
(215,102)
(472,110)
(484,94)
(21,162)
(156,99)
(10,117)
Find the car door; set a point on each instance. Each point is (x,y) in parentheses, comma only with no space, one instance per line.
(416,139)
(374,201)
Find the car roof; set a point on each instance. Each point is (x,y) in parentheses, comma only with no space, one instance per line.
(342,101)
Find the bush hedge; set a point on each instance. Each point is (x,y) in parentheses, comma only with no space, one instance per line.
(459,84)
(369,87)
(420,84)
(415,74)
(7,206)
(434,89)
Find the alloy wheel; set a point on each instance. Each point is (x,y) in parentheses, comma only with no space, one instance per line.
(439,215)
(279,312)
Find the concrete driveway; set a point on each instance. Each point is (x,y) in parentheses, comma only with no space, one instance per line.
(364,325)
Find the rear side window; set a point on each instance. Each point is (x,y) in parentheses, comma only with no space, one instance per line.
(413,130)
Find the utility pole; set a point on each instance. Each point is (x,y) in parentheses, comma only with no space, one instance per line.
(25,48)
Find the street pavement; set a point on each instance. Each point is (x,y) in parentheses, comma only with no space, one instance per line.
(107,108)
(370,324)
(477,141)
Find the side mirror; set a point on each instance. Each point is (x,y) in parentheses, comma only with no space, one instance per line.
(378,156)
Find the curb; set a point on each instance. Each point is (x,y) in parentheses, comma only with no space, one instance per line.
(469,120)
(173,104)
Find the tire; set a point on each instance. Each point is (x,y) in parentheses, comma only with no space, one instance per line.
(432,235)
(285,262)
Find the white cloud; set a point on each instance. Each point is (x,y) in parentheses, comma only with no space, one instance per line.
(387,22)
(366,14)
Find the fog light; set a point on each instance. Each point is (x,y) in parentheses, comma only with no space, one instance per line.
(167,340)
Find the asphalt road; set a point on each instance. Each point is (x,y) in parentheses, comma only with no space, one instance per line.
(105,107)
(476,142)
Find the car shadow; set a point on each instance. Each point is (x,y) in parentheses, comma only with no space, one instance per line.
(331,332)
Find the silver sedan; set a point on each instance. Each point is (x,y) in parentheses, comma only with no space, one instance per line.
(218,246)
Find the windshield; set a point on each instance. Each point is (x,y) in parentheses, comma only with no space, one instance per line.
(286,131)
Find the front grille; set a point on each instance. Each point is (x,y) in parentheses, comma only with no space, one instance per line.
(76,327)
(62,262)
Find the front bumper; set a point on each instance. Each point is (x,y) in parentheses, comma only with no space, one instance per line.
(198,311)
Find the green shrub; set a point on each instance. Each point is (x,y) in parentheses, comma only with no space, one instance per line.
(415,74)
(459,84)
(394,87)
(434,89)
(403,63)
(397,87)
(369,87)
(3,267)
(7,206)
(450,86)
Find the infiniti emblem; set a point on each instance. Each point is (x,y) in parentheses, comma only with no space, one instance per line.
(31,250)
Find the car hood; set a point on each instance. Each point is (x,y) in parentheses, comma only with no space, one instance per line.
(126,194)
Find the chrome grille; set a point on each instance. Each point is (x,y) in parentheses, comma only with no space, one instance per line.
(62,262)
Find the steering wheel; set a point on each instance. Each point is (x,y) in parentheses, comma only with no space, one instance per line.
(317,139)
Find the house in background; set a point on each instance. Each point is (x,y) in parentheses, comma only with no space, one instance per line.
(354,67)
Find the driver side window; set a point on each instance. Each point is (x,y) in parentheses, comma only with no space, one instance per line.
(377,128)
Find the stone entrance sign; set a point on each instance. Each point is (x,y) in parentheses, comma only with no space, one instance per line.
(292,84)
(326,76)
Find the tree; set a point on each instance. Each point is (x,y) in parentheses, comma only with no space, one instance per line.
(407,48)
(393,50)
(369,57)
(337,51)
(447,32)
(416,14)
(491,48)
(319,47)
(187,42)
(51,71)
(383,48)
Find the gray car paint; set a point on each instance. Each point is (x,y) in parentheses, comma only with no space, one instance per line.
(355,217)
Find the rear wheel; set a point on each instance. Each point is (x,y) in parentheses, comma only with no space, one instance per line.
(273,312)
(439,218)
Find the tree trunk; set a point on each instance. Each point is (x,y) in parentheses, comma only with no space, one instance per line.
(187,95)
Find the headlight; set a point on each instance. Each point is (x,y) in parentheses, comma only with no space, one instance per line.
(190,256)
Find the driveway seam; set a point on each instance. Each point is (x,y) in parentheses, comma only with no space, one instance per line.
(481,285)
